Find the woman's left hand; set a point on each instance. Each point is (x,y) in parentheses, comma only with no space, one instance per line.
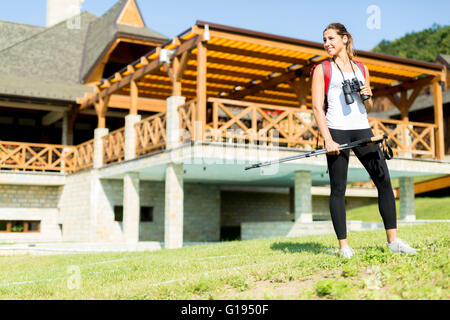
(365,90)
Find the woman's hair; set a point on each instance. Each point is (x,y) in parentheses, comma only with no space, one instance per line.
(342,31)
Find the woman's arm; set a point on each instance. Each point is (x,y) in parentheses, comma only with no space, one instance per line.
(318,96)
(365,90)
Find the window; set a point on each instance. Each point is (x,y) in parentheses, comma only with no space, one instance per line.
(146,214)
(118,213)
(17,226)
(20,226)
(33,226)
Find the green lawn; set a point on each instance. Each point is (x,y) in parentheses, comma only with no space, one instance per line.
(395,182)
(281,268)
(426,208)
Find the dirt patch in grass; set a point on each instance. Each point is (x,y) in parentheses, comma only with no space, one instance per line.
(269,289)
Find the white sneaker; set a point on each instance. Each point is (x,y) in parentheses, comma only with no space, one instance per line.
(346,252)
(400,246)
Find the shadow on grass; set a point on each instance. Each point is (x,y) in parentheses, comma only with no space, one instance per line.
(294,247)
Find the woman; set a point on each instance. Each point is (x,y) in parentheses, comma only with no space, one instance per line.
(344,123)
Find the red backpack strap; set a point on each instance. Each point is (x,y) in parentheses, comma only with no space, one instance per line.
(326,65)
(361,67)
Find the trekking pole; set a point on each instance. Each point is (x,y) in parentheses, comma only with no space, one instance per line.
(345,146)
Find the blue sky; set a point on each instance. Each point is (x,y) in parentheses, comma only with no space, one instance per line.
(294,18)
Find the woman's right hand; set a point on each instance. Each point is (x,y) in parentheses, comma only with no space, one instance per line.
(332,147)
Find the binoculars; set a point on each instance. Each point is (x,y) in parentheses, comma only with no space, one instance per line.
(352,86)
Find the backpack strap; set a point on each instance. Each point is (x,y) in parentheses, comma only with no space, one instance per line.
(326,66)
(361,67)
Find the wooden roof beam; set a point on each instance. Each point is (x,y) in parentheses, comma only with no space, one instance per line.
(403,86)
(139,73)
(255,54)
(269,83)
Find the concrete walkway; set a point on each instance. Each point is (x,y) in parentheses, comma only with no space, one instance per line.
(74,248)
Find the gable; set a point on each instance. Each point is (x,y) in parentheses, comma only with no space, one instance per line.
(131,15)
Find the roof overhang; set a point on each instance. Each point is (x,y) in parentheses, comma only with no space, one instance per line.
(253,66)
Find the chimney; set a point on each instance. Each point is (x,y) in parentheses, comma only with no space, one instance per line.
(60,10)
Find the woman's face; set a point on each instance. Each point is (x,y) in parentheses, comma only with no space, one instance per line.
(333,43)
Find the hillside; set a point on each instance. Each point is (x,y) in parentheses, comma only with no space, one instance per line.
(423,45)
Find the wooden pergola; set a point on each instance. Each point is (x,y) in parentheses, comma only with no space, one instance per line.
(215,61)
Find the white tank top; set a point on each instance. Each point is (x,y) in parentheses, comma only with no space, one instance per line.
(340,115)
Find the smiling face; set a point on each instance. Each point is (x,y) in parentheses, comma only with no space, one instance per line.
(334,43)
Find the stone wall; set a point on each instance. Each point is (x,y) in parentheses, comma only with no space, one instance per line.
(75,204)
(201,211)
(31,203)
(238,207)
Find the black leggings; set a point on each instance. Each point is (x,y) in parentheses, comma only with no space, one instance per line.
(373,160)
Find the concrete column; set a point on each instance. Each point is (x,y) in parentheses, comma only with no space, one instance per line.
(130,136)
(303,198)
(65,129)
(173,121)
(99,133)
(174,194)
(64,135)
(406,190)
(131,207)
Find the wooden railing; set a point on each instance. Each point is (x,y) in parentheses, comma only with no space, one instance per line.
(36,157)
(114,146)
(187,115)
(260,124)
(83,155)
(407,139)
(248,122)
(227,121)
(151,134)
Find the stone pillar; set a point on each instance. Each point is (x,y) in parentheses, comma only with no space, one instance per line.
(173,133)
(130,136)
(406,193)
(303,198)
(174,196)
(99,133)
(131,207)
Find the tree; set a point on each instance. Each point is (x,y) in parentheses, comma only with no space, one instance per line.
(423,45)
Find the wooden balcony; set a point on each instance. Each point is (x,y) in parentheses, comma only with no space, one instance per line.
(226,121)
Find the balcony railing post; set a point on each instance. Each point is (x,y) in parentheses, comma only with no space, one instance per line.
(99,133)
(130,136)
(173,133)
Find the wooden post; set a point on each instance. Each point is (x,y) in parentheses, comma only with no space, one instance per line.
(176,83)
(301,90)
(72,117)
(134,95)
(404,110)
(439,119)
(201,90)
(101,107)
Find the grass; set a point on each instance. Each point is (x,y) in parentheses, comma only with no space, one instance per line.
(426,209)
(279,268)
(396,182)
